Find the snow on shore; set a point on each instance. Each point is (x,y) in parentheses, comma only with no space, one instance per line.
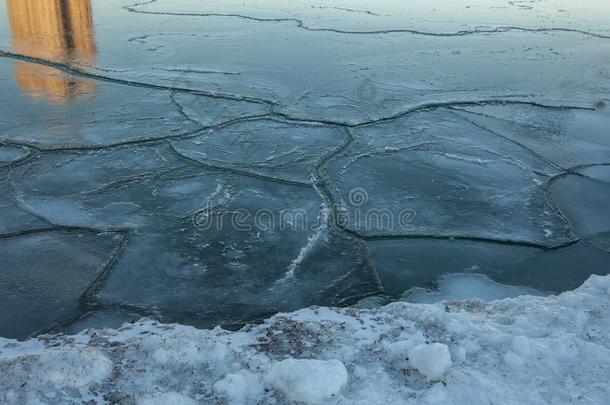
(532,350)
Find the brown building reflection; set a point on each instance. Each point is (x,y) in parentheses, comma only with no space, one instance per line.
(58,30)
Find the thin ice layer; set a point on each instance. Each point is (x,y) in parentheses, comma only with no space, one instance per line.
(44,274)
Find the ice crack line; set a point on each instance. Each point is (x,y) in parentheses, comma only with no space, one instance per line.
(180,108)
(499,100)
(494,133)
(482,101)
(30,153)
(76,71)
(450,237)
(300,24)
(232,169)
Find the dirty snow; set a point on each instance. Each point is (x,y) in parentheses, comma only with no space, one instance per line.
(529,349)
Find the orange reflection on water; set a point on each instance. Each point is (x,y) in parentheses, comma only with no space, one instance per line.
(58,30)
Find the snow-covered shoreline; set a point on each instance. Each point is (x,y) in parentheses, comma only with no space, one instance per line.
(530,350)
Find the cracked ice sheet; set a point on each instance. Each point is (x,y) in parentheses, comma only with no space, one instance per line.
(345,77)
(450,174)
(320,277)
(361,15)
(101,113)
(179,271)
(276,149)
(44,274)
(355,80)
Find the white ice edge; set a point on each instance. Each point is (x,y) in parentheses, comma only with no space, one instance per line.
(529,349)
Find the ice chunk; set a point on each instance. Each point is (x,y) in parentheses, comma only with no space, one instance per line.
(431,360)
(35,293)
(445,189)
(272,148)
(463,286)
(308,381)
(241,388)
(586,203)
(567,137)
(444,126)
(226,274)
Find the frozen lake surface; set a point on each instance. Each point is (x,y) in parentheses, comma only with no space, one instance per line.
(214,163)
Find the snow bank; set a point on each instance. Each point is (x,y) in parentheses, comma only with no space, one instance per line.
(553,350)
